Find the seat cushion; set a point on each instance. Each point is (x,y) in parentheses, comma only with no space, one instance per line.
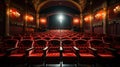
(16,55)
(69,55)
(36,55)
(2,54)
(86,55)
(53,55)
(106,55)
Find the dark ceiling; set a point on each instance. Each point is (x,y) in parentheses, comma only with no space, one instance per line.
(23,4)
(64,9)
(59,4)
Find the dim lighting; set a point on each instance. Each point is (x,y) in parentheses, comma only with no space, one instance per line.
(43,20)
(100,15)
(117,9)
(76,20)
(88,18)
(14,13)
(29,18)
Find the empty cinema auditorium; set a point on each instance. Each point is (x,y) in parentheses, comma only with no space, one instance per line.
(60,33)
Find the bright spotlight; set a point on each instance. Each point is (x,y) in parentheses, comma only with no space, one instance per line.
(60,18)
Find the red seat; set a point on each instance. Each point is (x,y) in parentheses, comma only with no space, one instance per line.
(36,56)
(21,51)
(37,37)
(27,37)
(85,54)
(47,38)
(53,54)
(75,38)
(116,45)
(68,51)
(101,49)
(6,47)
(108,39)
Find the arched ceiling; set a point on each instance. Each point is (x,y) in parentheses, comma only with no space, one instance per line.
(77,5)
(56,6)
(60,3)
(58,9)
(68,3)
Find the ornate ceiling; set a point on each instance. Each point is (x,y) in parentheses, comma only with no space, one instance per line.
(81,5)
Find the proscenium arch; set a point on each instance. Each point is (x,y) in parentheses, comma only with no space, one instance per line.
(58,13)
(71,1)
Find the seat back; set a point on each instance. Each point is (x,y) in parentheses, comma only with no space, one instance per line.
(54,45)
(10,43)
(96,43)
(82,45)
(39,45)
(108,39)
(116,43)
(25,44)
(67,43)
(99,45)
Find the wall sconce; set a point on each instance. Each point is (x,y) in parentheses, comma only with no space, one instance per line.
(14,13)
(88,18)
(75,20)
(117,9)
(29,18)
(100,15)
(42,20)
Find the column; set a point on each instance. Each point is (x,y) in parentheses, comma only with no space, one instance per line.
(81,22)
(105,19)
(25,20)
(91,18)
(91,23)
(7,23)
(37,20)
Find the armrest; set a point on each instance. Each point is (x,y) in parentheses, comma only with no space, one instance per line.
(93,49)
(46,48)
(30,49)
(76,48)
(106,43)
(111,49)
(61,49)
(27,51)
(8,51)
(11,49)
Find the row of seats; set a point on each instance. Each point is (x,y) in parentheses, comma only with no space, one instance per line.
(51,47)
(49,37)
(54,51)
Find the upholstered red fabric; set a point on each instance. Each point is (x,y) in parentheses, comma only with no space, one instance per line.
(87,55)
(1,54)
(16,55)
(69,55)
(106,55)
(101,48)
(36,55)
(53,55)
